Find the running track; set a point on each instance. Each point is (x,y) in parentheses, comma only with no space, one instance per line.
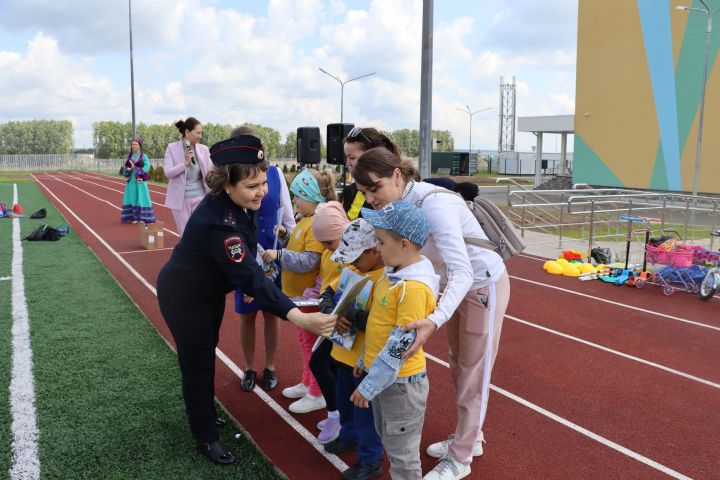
(591,381)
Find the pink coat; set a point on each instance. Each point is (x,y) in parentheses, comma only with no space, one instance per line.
(174,165)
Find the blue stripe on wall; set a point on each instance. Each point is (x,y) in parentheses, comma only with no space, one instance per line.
(657,34)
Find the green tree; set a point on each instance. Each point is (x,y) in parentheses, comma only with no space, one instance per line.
(290,145)
(36,137)
(409,141)
(269,137)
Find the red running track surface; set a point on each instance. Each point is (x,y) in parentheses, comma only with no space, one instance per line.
(591,381)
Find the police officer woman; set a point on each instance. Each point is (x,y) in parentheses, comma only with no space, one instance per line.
(216,255)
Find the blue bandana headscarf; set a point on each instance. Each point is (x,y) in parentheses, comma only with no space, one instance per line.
(306,187)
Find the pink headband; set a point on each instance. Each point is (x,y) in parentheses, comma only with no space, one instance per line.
(329,222)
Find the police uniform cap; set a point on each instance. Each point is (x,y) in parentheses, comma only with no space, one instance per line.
(241,149)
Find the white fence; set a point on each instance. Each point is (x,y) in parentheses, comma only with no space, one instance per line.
(81,162)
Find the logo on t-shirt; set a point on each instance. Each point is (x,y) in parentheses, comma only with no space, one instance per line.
(234,249)
(383,301)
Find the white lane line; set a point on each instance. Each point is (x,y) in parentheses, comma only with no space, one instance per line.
(121,192)
(101,200)
(339,464)
(289,419)
(616,352)
(611,302)
(115,181)
(520,400)
(146,251)
(577,428)
(24,446)
(2,279)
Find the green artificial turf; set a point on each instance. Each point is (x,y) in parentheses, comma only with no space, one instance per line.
(108,396)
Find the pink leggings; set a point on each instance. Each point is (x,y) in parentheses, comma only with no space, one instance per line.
(307,340)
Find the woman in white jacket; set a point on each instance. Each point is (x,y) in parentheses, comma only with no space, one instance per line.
(475,294)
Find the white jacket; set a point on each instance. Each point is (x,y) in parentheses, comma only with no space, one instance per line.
(462,267)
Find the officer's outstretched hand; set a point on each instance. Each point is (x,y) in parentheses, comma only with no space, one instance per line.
(270,256)
(316,322)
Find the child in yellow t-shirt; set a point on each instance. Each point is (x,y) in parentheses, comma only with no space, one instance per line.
(359,250)
(300,261)
(398,387)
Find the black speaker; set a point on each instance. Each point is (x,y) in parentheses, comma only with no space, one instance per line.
(336,133)
(308,145)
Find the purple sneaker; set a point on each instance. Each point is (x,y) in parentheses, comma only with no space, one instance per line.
(330,430)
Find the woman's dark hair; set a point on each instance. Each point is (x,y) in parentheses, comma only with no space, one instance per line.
(370,137)
(230,174)
(188,124)
(382,162)
(467,190)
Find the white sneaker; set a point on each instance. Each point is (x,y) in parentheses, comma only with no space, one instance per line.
(440,449)
(296,391)
(306,404)
(448,469)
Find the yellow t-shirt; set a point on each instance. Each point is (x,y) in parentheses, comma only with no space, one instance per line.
(388,312)
(330,271)
(302,239)
(350,357)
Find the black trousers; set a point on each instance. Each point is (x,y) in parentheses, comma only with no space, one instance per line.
(195,326)
(323,367)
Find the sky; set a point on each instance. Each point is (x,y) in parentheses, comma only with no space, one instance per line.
(258,61)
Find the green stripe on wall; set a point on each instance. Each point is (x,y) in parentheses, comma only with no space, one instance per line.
(659,176)
(589,168)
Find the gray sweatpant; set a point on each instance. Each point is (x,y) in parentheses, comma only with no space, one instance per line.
(399,412)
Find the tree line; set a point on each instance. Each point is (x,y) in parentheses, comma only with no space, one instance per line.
(111,139)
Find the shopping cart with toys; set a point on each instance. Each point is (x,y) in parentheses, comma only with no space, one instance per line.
(671,262)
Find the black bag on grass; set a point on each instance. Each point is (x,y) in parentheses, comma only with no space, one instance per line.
(601,255)
(42,213)
(45,232)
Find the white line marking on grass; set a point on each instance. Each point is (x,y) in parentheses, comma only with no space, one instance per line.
(611,302)
(99,199)
(616,352)
(285,415)
(309,437)
(581,430)
(341,466)
(25,460)
(2,279)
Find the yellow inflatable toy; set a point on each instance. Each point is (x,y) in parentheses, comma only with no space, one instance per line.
(555,268)
(586,268)
(571,270)
(547,264)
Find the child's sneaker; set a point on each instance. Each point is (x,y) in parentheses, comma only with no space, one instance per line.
(330,430)
(306,404)
(321,424)
(448,469)
(296,391)
(440,449)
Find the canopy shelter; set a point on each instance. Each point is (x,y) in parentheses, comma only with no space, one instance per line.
(558,124)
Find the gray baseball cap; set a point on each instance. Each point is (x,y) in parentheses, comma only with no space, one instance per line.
(358,236)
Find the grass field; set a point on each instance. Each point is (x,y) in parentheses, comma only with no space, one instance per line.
(107,387)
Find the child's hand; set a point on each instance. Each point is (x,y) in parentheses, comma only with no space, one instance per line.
(280,231)
(270,256)
(343,325)
(247,299)
(358,372)
(358,400)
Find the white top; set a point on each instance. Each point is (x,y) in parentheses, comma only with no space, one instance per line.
(288,216)
(461,267)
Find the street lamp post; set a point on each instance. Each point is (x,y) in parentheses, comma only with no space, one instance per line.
(132,73)
(470,114)
(342,86)
(698,147)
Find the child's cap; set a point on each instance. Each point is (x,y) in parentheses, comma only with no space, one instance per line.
(403,218)
(329,221)
(358,236)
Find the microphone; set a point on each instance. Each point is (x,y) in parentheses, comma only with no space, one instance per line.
(186,142)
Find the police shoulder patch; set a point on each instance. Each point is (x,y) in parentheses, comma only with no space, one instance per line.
(235,249)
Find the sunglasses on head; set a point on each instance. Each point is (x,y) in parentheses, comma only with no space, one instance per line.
(357,132)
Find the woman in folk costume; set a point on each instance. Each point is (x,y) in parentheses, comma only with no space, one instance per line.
(137,206)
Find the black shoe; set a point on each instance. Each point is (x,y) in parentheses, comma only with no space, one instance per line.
(248,381)
(339,446)
(216,452)
(362,471)
(269,380)
(220,422)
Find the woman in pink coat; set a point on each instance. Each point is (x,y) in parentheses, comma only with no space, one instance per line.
(186,163)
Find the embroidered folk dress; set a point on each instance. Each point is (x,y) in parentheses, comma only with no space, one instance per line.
(137,206)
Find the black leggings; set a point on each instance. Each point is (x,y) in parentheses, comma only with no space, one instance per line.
(322,367)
